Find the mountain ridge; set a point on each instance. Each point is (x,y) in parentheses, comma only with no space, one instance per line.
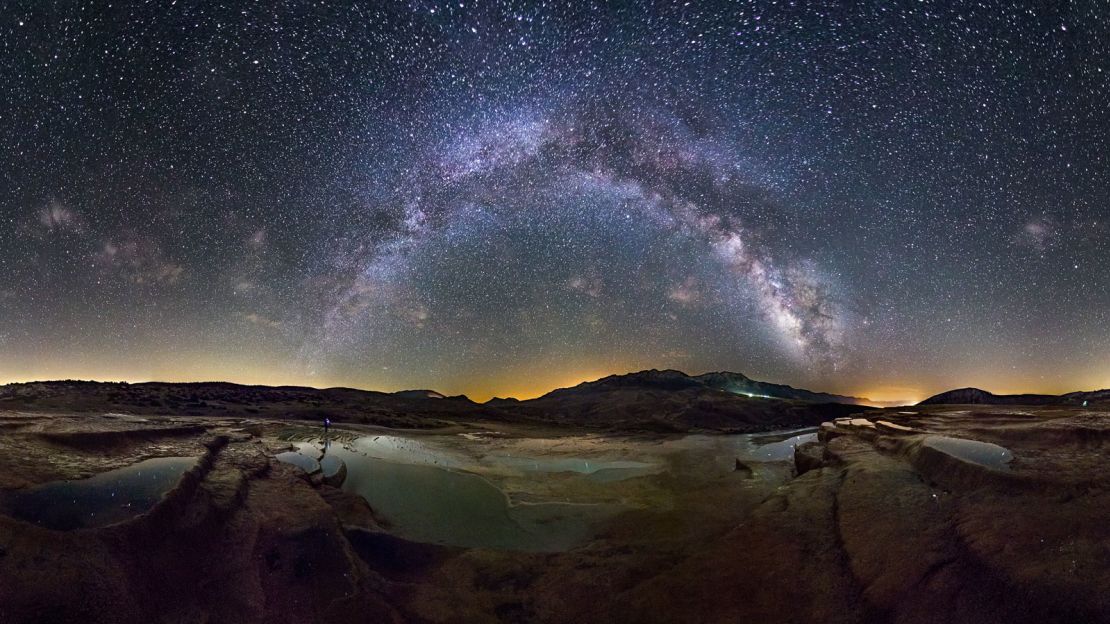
(978,396)
(654,400)
(727,381)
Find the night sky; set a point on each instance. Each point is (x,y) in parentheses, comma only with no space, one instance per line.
(499,198)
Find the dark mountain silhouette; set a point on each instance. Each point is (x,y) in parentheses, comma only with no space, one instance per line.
(735,383)
(666,400)
(402,409)
(419,394)
(975,396)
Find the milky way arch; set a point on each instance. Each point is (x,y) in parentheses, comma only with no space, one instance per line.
(681,178)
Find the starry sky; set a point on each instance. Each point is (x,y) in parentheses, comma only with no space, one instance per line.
(498,198)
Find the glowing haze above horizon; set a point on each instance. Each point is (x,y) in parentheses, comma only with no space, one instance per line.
(500,198)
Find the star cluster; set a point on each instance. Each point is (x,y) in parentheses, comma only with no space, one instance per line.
(501,197)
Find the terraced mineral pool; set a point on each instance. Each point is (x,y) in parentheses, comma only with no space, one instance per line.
(100,500)
(300,460)
(982,453)
(423,500)
(756,447)
(430,489)
(601,471)
(777,447)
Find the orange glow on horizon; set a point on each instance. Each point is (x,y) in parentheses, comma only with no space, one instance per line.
(525,383)
(885,396)
(521,382)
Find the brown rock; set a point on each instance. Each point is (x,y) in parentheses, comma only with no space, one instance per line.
(809,456)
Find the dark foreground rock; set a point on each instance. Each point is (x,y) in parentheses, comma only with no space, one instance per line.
(893,517)
(239,539)
(809,456)
(889,532)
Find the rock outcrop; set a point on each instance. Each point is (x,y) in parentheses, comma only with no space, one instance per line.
(809,456)
(240,539)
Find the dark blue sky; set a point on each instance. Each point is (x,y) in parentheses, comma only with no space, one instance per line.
(500,197)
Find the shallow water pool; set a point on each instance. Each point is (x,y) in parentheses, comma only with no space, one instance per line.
(435,488)
(100,500)
(748,447)
(604,471)
(982,453)
(425,501)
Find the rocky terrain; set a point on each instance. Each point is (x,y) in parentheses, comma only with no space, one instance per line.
(238,539)
(885,524)
(933,513)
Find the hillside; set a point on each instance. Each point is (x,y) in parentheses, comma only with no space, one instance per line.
(649,400)
(976,396)
(672,400)
(241,401)
(734,383)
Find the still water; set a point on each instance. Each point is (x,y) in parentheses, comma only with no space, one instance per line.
(424,489)
(982,453)
(100,500)
(424,500)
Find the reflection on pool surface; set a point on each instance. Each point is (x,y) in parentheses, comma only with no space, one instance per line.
(406,450)
(982,453)
(100,500)
(330,465)
(300,460)
(596,470)
(749,447)
(307,459)
(445,489)
(425,502)
(770,448)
